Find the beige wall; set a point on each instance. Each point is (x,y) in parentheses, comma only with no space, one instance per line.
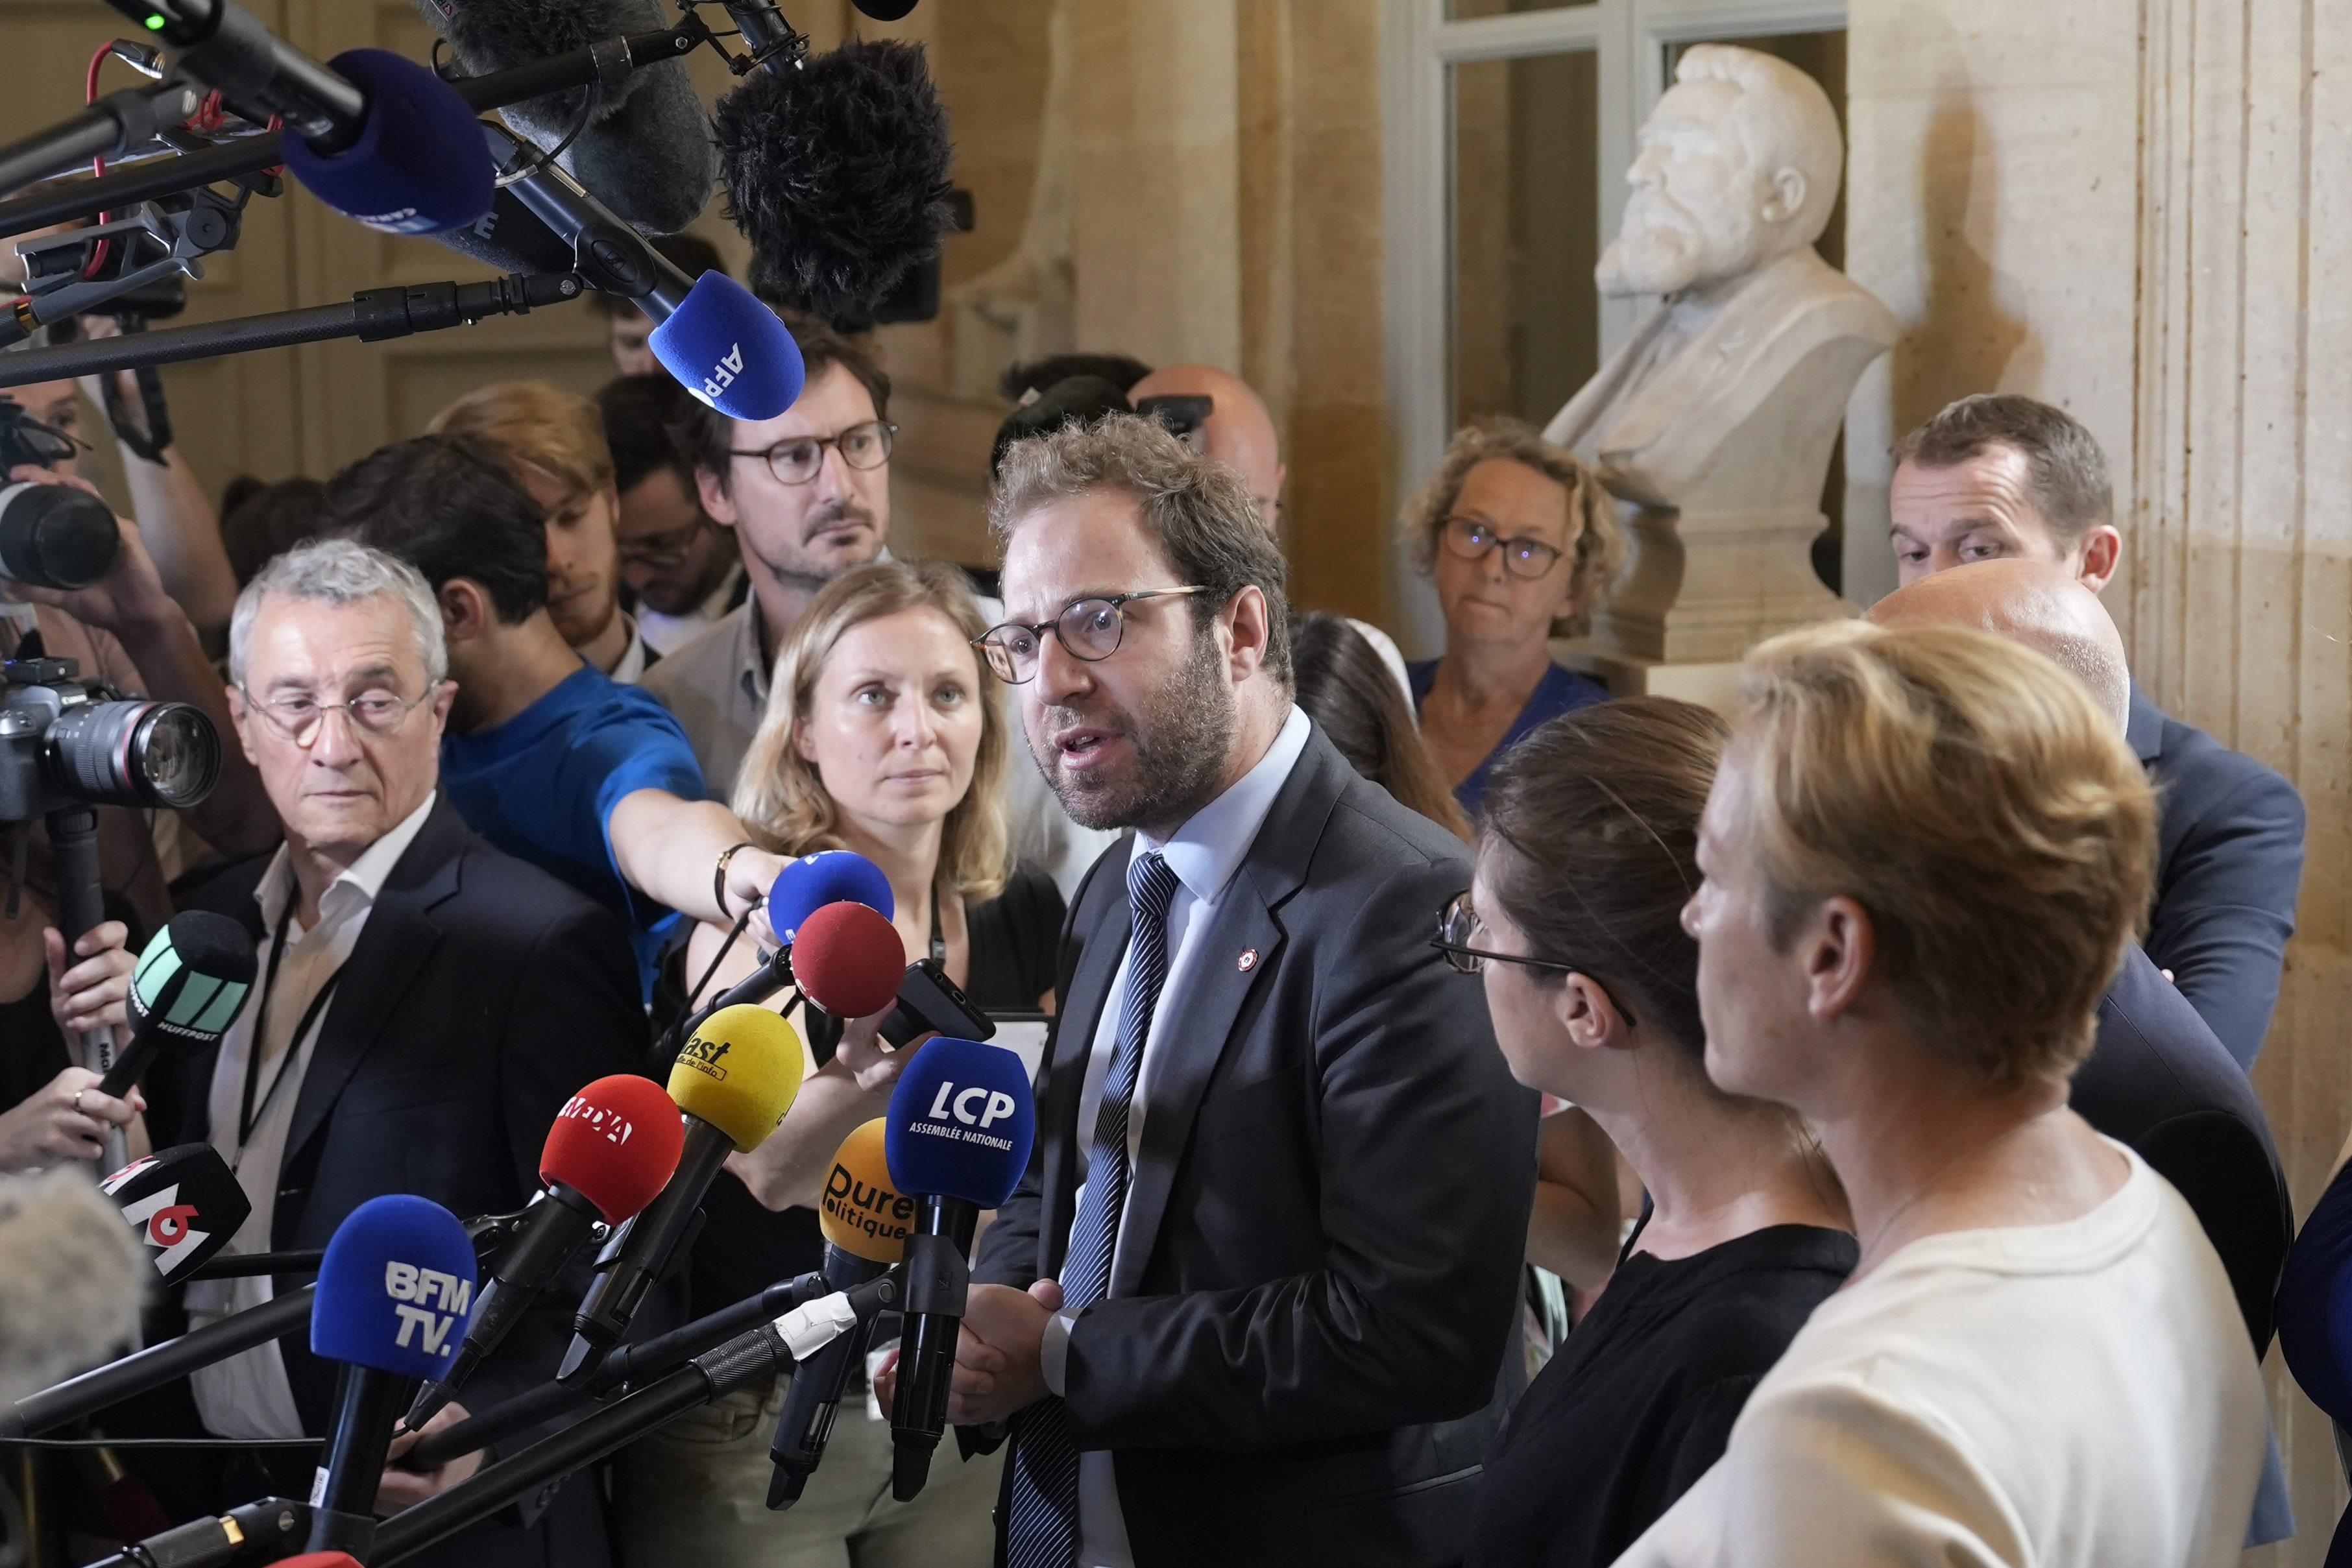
(2134,208)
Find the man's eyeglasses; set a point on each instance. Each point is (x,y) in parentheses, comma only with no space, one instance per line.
(298,717)
(795,459)
(1458,927)
(667,548)
(1090,629)
(1470,539)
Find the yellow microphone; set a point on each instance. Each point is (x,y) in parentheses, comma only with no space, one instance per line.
(733,1081)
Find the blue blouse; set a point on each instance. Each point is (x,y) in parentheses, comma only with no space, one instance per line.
(1561,691)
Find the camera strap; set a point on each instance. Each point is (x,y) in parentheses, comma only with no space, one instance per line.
(249,1114)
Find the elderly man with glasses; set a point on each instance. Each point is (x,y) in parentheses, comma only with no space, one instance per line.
(1251,1301)
(424,1007)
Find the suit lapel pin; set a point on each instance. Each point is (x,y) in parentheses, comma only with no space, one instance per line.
(1248,960)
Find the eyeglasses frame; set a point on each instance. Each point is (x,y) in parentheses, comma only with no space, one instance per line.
(989,648)
(1444,533)
(767,455)
(351,721)
(1455,951)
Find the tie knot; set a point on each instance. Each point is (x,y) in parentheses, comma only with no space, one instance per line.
(1150,888)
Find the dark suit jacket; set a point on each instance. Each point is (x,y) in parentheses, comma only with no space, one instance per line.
(1318,1276)
(481,995)
(2160,1081)
(2230,860)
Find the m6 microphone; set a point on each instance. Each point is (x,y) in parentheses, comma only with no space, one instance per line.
(958,1139)
(395,1284)
(190,984)
(865,1221)
(183,1203)
(732,1083)
(612,1148)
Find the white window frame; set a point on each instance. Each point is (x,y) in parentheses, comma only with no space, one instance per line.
(1418,46)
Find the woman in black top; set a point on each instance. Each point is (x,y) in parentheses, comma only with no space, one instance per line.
(1585,859)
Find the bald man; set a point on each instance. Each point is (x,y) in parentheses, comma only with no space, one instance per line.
(1239,433)
(2158,1077)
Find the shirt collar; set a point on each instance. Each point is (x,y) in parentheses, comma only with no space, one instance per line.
(364,877)
(1206,851)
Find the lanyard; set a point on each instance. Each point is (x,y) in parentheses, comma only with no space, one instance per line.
(939,942)
(249,1114)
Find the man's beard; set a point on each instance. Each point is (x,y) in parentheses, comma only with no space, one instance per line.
(797,571)
(1180,745)
(1663,249)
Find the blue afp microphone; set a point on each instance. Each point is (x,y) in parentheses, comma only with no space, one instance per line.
(418,166)
(829,876)
(957,1139)
(394,1289)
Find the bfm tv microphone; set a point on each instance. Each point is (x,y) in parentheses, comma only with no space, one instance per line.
(378,138)
(645,143)
(184,1203)
(190,984)
(711,335)
(804,886)
(865,1221)
(957,1138)
(732,1083)
(393,1288)
(610,1150)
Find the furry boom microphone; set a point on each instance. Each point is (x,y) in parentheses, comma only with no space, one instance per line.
(837,173)
(645,151)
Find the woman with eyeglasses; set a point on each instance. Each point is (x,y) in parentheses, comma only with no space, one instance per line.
(883,734)
(1520,541)
(1587,853)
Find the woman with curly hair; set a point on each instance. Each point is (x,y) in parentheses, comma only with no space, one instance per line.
(1520,542)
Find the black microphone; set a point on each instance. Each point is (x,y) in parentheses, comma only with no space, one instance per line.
(837,172)
(643,142)
(958,1137)
(607,1154)
(183,1202)
(190,984)
(397,1280)
(865,1223)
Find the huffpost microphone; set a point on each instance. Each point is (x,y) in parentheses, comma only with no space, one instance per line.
(733,1081)
(612,1148)
(865,1221)
(957,1138)
(188,986)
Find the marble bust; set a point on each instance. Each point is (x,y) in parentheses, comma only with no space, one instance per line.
(1713,424)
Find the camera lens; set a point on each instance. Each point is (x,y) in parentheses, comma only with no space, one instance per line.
(53,536)
(136,754)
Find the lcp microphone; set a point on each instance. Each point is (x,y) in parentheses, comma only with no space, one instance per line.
(394,1288)
(957,1138)
(865,1221)
(184,1205)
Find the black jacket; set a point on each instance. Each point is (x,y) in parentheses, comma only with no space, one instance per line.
(2229,861)
(1316,1286)
(481,995)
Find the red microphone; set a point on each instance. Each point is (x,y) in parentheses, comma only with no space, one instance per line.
(613,1147)
(848,959)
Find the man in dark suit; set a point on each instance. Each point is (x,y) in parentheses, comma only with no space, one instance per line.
(425,1004)
(2005,476)
(1251,1301)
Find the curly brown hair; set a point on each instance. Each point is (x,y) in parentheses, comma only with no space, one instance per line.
(1599,545)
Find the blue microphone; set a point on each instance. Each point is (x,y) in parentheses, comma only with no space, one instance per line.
(829,876)
(418,167)
(957,1140)
(394,1289)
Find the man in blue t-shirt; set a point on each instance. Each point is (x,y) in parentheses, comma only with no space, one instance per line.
(546,757)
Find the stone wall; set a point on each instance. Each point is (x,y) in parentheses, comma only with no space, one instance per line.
(2135,209)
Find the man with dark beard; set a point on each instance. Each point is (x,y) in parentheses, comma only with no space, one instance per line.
(808,495)
(1266,1255)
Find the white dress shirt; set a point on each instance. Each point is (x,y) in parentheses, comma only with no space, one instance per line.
(248,1395)
(1204,853)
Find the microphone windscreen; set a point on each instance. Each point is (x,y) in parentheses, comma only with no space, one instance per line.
(730,350)
(420,165)
(71,1284)
(615,1143)
(739,1072)
(183,1204)
(394,1288)
(960,1121)
(861,1211)
(192,980)
(837,173)
(829,876)
(320,1559)
(849,960)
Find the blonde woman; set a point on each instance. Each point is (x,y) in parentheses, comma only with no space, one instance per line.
(1520,542)
(884,736)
